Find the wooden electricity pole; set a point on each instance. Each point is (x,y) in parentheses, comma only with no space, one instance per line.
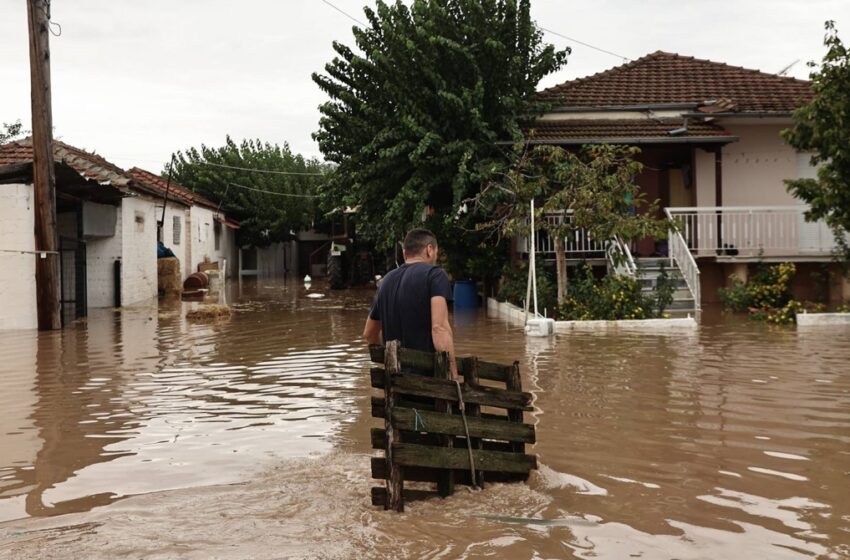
(44,180)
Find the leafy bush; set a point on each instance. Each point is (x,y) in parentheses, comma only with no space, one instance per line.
(515,283)
(664,289)
(769,288)
(609,298)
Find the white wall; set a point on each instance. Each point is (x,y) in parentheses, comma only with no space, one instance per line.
(138,262)
(101,254)
(179,246)
(17,272)
(755,167)
(203,240)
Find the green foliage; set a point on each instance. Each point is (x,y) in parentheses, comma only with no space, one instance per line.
(769,288)
(515,283)
(612,297)
(472,255)
(593,184)
(11,131)
(417,106)
(823,127)
(265,217)
(664,290)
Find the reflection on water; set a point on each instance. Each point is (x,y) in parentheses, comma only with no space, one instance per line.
(253,433)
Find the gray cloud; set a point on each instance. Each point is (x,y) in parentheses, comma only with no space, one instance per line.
(138,80)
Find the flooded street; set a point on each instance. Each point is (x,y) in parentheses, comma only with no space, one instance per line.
(140,434)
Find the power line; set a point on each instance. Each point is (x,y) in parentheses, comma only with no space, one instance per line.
(588,45)
(343,12)
(293,195)
(254,170)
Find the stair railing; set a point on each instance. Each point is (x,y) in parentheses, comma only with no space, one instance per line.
(682,258)
(620,258)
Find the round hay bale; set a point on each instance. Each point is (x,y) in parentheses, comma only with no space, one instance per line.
(210,312)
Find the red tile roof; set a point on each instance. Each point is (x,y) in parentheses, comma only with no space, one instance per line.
(88,165)
(154,184)
(667,78)
(580,131)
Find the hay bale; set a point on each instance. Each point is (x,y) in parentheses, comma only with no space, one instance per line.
(168,277)
(210,312)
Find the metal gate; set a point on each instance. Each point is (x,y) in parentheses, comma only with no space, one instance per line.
(72,279)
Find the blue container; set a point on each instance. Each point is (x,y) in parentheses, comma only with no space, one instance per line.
(465,295)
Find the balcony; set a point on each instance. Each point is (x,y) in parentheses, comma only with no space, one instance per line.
(751,232)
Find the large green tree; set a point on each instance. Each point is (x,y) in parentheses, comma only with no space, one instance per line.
(594,186)
(417,107)
(823,127)
(267,187)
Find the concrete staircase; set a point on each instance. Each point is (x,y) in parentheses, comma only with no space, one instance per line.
(649,269)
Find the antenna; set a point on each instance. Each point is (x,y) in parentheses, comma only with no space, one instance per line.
(784,71)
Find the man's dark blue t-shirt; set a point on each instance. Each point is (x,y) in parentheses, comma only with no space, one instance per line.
(403,304)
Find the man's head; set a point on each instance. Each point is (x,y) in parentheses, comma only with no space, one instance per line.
(420,244)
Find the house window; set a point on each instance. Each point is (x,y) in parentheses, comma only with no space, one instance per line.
(217,233)
(176,229)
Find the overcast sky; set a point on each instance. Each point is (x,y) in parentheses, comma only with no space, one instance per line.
(135,80)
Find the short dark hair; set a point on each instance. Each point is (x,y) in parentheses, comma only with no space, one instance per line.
(417,239)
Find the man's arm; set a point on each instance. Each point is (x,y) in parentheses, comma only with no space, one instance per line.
(372,331)
(441,331)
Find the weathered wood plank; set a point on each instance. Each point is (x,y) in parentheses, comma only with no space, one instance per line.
(379,406)
(379,495)
(445,390)
(473,413)
(423,360)
(395,481)
(446,480)
(425,474)
(438,423)
(514,383)
(409,454)
(379,441)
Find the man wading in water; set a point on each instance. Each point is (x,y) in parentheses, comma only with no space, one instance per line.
(412,302)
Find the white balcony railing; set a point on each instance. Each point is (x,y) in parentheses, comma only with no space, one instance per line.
(578,244)
(751,231)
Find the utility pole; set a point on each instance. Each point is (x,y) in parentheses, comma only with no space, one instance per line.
(44,180)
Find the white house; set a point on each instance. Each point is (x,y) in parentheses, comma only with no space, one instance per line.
(195,228)
(107,221)
(709,135)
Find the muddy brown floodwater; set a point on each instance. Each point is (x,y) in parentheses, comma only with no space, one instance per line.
(138,434)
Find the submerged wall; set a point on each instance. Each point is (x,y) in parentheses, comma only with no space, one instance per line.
(17,271)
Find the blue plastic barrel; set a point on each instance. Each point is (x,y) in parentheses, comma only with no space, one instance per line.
(465,295)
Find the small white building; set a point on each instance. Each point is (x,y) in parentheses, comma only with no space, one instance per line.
(107,221)
(194,228)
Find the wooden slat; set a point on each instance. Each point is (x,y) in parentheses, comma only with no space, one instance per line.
(438,423)
(445,390)
(446,480)
(379,441)
(395,481)
(473,412)
(514,383)
(424,361)
(379,495)
(408,454)
(425,474)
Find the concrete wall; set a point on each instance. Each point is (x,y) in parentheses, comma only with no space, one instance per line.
(203,247)
(755,167)
(179,244)
(138,242)
(101,254)
(17,271)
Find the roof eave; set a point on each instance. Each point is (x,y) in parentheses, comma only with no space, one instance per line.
(634,140)
(742,114)
(610,108)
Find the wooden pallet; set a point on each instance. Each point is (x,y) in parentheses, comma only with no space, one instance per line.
(424,439)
